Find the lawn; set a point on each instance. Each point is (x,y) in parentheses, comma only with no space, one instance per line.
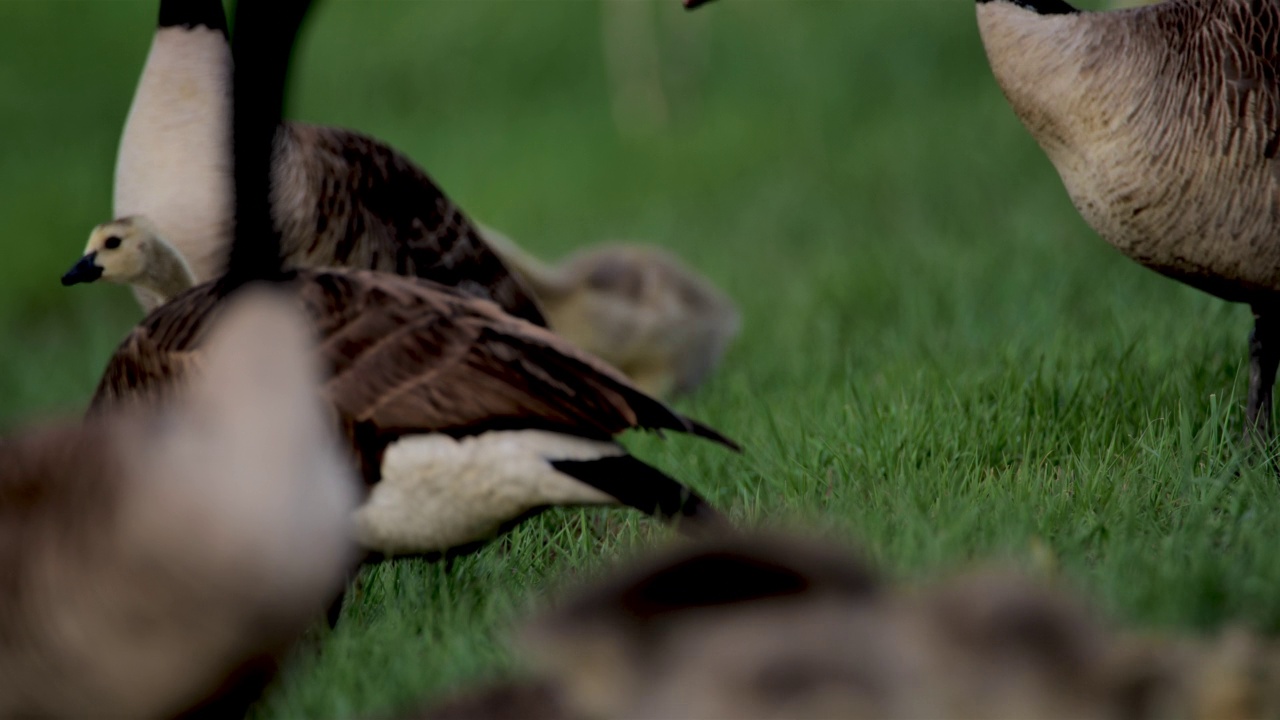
(940,362)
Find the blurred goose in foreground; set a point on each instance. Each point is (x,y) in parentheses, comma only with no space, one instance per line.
(757,628)
(637,307)
(156,561)
(463,419)
(339,198)
(1164,124)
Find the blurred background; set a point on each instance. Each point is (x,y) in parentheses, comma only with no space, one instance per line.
(938,357)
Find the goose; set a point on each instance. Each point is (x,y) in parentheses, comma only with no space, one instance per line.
(635,306)
(158,560)
(339,198)
(1162,122)
(130,251)
(463,419)
(759,626)
(765,626)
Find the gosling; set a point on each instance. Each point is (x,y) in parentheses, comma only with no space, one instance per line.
(635,306)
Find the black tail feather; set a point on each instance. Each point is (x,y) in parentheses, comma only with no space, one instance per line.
(710,433)
(646,489)
(262,47)
(653,414)
(191,14)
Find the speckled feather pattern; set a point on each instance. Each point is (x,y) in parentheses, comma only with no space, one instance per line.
(408,356)
(1164,123)
(346,200)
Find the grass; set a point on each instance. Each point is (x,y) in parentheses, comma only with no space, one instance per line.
(940,361)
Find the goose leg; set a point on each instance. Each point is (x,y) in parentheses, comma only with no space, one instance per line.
(1264,356)
(334,611)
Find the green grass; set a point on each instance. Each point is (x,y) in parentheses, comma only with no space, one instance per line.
(939,361)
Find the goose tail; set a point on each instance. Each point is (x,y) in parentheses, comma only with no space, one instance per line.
(647,489)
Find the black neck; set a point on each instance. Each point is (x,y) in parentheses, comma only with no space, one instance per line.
(262,47)
(191,14)
(1041,7)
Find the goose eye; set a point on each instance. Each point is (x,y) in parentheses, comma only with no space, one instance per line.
(112,242)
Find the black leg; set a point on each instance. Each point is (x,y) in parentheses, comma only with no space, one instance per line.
(1264,356)
(334,613)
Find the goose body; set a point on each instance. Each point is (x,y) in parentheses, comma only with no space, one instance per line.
(463,419)
(1164,124)
(637,307)
(751,627)
(338,197)
(156,560)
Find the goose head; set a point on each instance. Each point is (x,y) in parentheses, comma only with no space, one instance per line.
(117,251)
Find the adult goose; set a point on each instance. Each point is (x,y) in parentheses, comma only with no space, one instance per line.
(754,627)
(156,561)
(463,418)
(1164,124)
(338,198)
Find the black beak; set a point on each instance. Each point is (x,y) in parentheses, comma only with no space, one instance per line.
(84,271)
(693,4)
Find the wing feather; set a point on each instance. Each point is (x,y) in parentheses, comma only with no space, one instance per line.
(355,202)
(407,355)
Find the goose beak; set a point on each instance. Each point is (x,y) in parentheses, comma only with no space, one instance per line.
(84,271)
(694,4)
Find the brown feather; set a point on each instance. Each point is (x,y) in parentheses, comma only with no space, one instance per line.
(343,199)
(1164,124)
(159,558)
(410,356)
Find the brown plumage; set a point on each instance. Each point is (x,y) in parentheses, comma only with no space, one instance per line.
(340,198)
(158,559)
(1164,124)
(757,628)
(407,357)
(637,307)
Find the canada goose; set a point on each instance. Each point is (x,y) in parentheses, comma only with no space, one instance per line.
(760,627)
(156,560)
(751,628)
(338,197)
(1192,195)
(637,307)
(464,419)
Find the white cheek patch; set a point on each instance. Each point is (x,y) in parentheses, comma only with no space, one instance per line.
(438,492)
